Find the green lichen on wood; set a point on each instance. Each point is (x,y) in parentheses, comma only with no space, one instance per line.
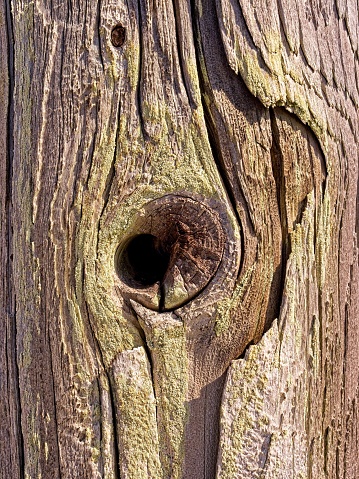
(151,153)
(165,336)
(257,408)
(136,416)
(245,418)
(187,168)
(227,306)
(276,82)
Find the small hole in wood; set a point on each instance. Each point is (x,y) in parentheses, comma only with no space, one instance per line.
(118,35)
(143,261)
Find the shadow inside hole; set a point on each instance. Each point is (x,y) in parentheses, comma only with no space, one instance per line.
(143,261)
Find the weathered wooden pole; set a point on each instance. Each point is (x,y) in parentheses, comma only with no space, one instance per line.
(179,249)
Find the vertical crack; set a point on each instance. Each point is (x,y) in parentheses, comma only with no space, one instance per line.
(278,173)
(112,171)
(149,354)
(279,179)
(211,127)
(114,425)
(139,81)
(218,159)
(179,52)
(116,450)
(54,404)
(98,22)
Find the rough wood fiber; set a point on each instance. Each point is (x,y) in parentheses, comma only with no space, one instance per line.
(136,419)
(10,436)
(306,60)
(268,419)
(249,109)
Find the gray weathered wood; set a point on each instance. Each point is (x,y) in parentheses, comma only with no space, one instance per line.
(227,132)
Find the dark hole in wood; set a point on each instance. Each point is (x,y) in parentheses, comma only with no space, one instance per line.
(118,35)
(144,260)
(171,253)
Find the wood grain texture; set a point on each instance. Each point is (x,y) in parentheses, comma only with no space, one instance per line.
(242,116)
(275,387)
(11,447)
(305,59)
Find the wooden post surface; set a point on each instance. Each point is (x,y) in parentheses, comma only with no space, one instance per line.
(179,239)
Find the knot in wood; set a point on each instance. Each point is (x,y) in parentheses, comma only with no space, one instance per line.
(118,35)
(172,252)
